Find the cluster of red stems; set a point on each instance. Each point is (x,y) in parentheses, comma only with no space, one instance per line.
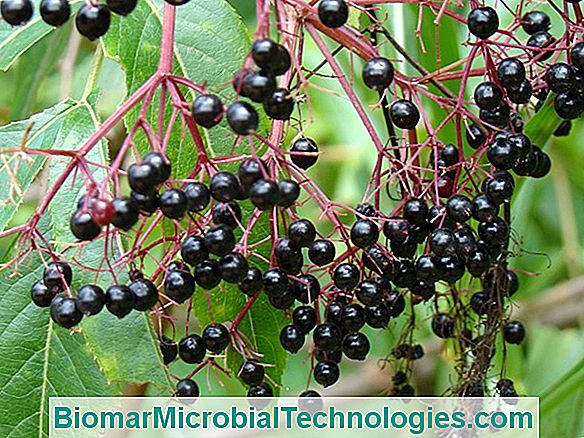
(444,247)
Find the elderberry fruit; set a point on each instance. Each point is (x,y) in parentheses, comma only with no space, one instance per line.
(326,373)
(289,191)
(64,312)
(404,114)
(121,7)
(304,153)
(497,190)
(521,94)
(321,252)
(207,274)
(459,208)
(291,338)
(173,203)
(304,318)
(168,349)
(93,20)
(16,12)
(480,303)
(220,240)
(538,42)
(475,137)
(488,96)
(259,86)
(187,387)
(83,226)
(560,78)
(242,118)
(377,316)
(125,214)
(57,274)
(119,300)
(502,154)
(499,117)
(346,276)
(427,265)
(569,106)
(415,211)
(227,213)
(251,373)
(356,346)
(535,21)
(264,194)
(193,250)
(284,301)
(396,229)
(442,242)
(198,196)
(55,12)
(443,326)
(281,63)
(333,356)
(261,390)
(42,295)
(544,164)
(191,349)
(369,293)
(514,332)
(145,294)
(252,283)
(179,285)
(333,13)
(275,283)
(364,233)
(451,267)
(378,73)
(233,267)
(494,232)
(207,110)
(327,337)
(477,262)
(90,299)
(577,55)
(353,317)
(511,72)
(223,186)
(483,22)
(147,203)
(216,338)
(301,233)
(310,401)
(395,303)
(288,256)
(279,105)
(306,289)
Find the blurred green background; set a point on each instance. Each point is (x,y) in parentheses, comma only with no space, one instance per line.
(547,218)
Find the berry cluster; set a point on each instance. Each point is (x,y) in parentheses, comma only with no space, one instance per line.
(437,253)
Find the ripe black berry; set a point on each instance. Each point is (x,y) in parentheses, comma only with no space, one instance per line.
(443,326)
(405,274)
(333,356)
(442,242)
(306,289)
(321,252)
(377,316)
(514,332)
(538,42)
(480,303)
(460,208)
(119,300)
(396,229)
(179,285)
(259,86)
(289,192)
(93,20)
(191,349)
(90,299)
(488,96)
(475,136)
(252,283)
(301,233)
(327,337)
(499,117)
(146,203)
(251,373)
(198,196)
(415,211)
(288,256)
(187,387)
(207,110)
(310,401)
(569,106)
(498,189)
(223,186)
(346,276)
(369,292)
(494,232)
(483,22)
(83,226)
(264,194)
(577,55)
(260,390)
(216,337)
(276,283)
(356,346)
(168,349)
(511,72)
(279,105)
(284,301)
(560,78)
(544,163)
(304,153)
(16,12)
(121,7)
(353,317)
(333,13)
(233,267)
(64,312)
(304,317)
(364,233)
(145,294)
(126,213)
(451,267)
(326,373)
(502,154)
(264,51)
(56,274)
(55,12)
(227,213)
(477,262)
(291,338)
(220,240)
(207,274)
(173,203)
(193,250)
(142,177)
(427,265)
(404,114)
(242,118)
(535,21)
(42,295)
(521,94)
(378,73)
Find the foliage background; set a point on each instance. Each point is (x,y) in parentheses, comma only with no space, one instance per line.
(548,222)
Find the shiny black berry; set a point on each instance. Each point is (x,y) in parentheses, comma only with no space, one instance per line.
(356,346)
(378,73)
(291,338)
(275,283)
(569,106)
(179,285)
(333,13)
(216,338)
(64,312)
(198,196)
(514,332)
(327,337)
(251,373)
(364,233)
(145,294)
(147,203)
(483,22)
(168,349)
(279,105)
(207,110)
(304,317)
(511,72)
(521,94)
(121,7)
(443,326)
(264,194)
(220,240)
(227,213)
(173,203)
(475,137)
(191,349)
(83,226)
(57,275)
(415,211)
(304,153)
(126,213)
(538,42)
(306,288)
(252,283)
(55,12)
(353,317)
(187,388)
(377,316)
(370,292)
(535,21)
(488,96)
(90,299)
(259,86)
(404,114)
(233,267)
(301,233)
(321,252)
(193,250)
(289,192)
(577,55)
(560,78)
(207,274)
(346,276)
(223,186)
(16,12)
(242,118)
(93,20)
(326,373)
(502,154)
(459,208)
(119,300)
(42,295)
